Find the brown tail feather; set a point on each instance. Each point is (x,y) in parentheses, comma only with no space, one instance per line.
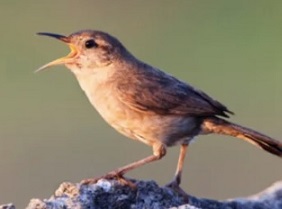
(221,126)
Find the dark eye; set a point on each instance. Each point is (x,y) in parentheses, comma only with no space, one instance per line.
(90,44)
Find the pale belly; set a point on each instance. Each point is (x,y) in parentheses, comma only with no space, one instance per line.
(147,127)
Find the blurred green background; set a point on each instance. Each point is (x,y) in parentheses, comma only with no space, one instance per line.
(50,133)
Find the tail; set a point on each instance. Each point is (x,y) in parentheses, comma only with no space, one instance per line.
(221,126)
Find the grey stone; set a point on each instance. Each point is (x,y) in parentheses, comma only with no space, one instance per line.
(7,206)
(111,194)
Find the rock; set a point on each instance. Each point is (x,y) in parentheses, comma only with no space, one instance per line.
(111,194)
(7,206)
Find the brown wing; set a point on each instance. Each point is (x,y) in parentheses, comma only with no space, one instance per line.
(161,93)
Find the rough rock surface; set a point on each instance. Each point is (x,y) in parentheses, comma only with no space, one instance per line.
(111,194)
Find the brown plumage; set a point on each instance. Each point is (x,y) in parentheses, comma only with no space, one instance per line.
(144,103)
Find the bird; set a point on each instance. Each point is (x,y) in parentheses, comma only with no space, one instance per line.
(145,103)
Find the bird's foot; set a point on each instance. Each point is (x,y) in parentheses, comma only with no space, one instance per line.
(175,186)
(110,176)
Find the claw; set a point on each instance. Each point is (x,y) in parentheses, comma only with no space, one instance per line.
(110,176)
(174,185)
(89,181)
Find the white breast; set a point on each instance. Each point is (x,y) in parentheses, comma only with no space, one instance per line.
(99,91)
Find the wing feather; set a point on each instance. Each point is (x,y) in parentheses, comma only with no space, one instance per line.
(156,91)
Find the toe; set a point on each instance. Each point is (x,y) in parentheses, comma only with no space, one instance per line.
(173,184)
(89,181)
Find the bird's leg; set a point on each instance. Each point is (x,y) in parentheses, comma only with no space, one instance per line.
(177,177)
(159,151)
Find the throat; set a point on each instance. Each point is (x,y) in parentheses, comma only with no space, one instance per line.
(93,80)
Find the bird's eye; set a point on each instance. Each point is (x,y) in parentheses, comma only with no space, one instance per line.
(90,44)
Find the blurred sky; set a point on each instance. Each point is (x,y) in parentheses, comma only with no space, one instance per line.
(50,133)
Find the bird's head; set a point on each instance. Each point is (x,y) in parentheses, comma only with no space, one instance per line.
(89,50)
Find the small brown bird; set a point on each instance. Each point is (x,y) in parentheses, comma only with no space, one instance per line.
(144,103)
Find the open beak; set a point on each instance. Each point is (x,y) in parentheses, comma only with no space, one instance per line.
(62,60)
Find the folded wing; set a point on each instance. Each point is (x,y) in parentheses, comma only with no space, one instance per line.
(155,91)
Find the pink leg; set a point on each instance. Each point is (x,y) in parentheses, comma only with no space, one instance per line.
(174,184)
(159,151)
